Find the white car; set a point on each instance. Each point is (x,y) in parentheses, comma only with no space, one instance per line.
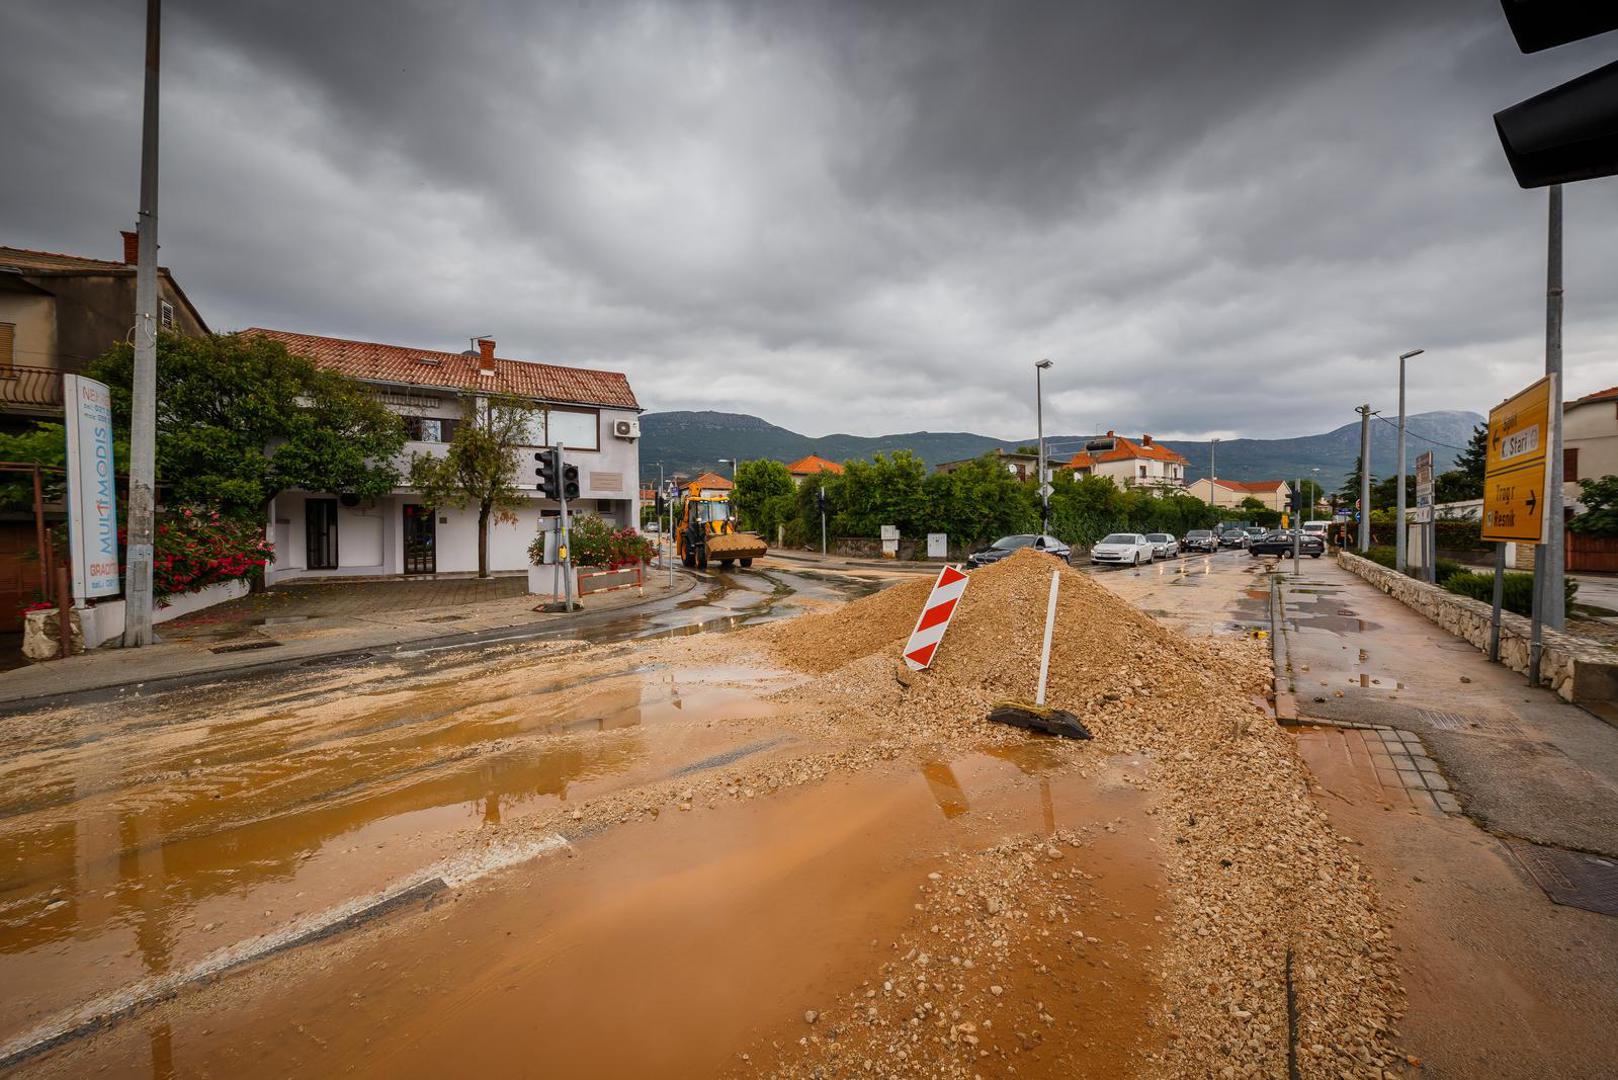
(1122,549)
(1164,546)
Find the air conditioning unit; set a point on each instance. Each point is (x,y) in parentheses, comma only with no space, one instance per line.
(626,429)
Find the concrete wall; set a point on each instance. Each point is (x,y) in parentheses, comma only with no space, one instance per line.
(1578,669)
(1592,430)
(95,312)
(34,344)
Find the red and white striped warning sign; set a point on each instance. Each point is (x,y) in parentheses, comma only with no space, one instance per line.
(935,616)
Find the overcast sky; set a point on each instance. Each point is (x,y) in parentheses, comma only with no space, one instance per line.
(864,217)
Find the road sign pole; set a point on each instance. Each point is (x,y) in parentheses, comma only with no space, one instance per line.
(567,550)
(1499,592)
(1554,602)
(1365,477)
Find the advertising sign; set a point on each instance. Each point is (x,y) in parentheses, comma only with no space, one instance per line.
(1424,487)
(1518,465)
(92,490)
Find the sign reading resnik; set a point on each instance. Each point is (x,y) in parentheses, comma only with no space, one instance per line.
(92,489)
(1518,469)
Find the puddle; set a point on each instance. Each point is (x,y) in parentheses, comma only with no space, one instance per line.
(182,845)
(1375,682)
(668,947)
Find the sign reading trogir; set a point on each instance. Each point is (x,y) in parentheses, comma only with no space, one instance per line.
(1518,465)
(92,489)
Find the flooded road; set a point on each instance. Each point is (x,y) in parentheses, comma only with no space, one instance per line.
(138,836)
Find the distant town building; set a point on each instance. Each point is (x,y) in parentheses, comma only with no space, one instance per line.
(325,534)
(710,485)
(1230,494)
(812,466)
(1025,466)
(1128,463)
(1589,440)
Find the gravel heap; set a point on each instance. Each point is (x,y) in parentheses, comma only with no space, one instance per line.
(1274,953)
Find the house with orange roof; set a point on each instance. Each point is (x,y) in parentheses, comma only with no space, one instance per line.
(59,312)
(592,414)
(1230,494)
(1142,464)
(813,466)
(710,485)
(1589,440)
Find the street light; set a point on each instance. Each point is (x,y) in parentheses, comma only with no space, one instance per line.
(732,462)
(1039,418)
(1399,514)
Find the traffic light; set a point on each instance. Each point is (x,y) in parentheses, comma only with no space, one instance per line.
(820,500)
(1295,501)
(1570,132)
(570,481)
(545,469)
(661,503)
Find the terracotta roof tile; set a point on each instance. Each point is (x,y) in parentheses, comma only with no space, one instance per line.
(53,262)
(1265,486)
(1600,395)
(711,480)
(398,365)
(814,463)
(1126,450)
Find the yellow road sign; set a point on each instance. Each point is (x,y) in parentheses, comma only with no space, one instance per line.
(1518,466)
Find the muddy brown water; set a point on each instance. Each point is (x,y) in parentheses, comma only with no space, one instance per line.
(137,854)
(669,947)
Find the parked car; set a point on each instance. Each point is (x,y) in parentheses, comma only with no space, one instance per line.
(1122,549)
(1255,533)
(1007,544)
(1280,543)
(1164,546)
(1201,540)
(1233,538)
(1317,526)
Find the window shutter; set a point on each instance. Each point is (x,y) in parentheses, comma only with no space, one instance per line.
(8,338)
(1570,464)
(448,428)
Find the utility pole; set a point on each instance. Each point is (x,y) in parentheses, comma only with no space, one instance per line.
(1213,473)
(143,407)
(1365,477)
(567,549)
(1553,596)
(1039,421)
(1399,538)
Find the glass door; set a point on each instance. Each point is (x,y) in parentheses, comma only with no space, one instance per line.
(320,528)
(420,539)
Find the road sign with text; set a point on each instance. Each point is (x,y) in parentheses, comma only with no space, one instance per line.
(1518,471)
(1424,487)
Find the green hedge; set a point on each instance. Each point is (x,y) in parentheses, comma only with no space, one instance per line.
(1516,594)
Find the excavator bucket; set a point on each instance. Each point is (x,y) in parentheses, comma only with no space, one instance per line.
(727,546)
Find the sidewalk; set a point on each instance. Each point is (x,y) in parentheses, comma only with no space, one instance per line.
(299,623)
(1502,981)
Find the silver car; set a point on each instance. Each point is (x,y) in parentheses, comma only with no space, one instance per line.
(1164,546)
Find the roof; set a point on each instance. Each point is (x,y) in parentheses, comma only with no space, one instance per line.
(1264,486)
(1608,394)
(374,362)
(814,463)
(54,264)
(1126,450)
(711,480)
(50,262)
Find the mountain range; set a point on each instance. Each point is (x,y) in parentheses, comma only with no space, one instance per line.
(692,442)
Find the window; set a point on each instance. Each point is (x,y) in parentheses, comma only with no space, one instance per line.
(8,343)
(575,429)
(428,429)
(166,314)
(1570,463)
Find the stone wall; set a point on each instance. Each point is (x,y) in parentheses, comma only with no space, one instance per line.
(1577,668)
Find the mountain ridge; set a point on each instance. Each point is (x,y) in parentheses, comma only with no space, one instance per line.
(693,441)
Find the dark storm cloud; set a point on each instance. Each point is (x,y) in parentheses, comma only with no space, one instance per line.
(853,216)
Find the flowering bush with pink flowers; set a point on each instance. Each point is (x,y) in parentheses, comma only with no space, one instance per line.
(198,548)
(595,543)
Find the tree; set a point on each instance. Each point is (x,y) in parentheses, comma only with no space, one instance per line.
(765,495)
(1600,514)
(887,490)
(1252,505)
(1350,491)
(1471,465)
(1312,493)
(978,501)
(480,466)
(239,420)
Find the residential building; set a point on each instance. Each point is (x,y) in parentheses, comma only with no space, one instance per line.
(1230,494)
(812,466)
(1589,440)
(592,413)
(59,312)
(710,485)
(1144,464)
(1025,466)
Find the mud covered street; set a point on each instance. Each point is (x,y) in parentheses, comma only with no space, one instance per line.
(678,853)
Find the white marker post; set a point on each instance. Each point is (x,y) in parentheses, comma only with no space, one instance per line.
(1050,625)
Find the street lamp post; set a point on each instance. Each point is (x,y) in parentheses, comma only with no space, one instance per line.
(1039,418)
(1399,514)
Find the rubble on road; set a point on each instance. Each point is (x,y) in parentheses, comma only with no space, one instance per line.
(1274,944)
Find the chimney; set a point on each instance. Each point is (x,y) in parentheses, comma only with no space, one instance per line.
(131,247)
(1146,440)
(485,356)
(1110,433)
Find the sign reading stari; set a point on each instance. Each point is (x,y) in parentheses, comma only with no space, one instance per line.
(1517,471)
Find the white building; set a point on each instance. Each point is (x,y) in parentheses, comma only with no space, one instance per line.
(1144,464)
(330,534)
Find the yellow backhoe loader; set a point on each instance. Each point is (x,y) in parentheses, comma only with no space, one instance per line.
(708,533)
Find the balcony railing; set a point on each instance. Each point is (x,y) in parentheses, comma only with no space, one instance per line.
(33,388)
